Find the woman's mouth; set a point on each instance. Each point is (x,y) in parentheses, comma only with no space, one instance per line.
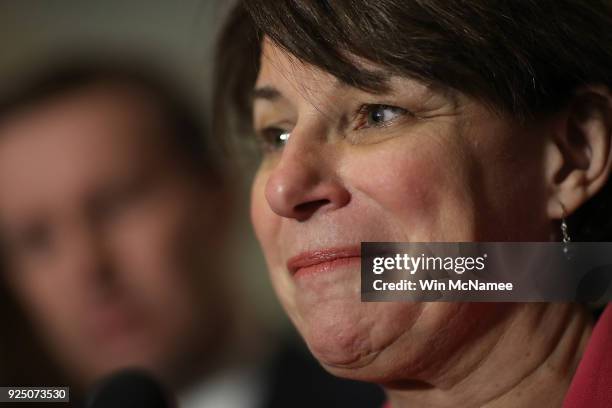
(323,260)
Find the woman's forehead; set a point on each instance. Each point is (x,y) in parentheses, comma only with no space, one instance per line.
(284,76)
(278,67)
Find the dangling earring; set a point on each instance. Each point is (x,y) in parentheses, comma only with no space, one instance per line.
(564,233)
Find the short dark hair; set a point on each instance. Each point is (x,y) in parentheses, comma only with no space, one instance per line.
(188,129)
(235,72)
(523,58)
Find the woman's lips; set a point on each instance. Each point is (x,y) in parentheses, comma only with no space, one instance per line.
(322,260)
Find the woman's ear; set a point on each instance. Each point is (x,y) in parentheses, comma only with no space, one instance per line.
(579,153)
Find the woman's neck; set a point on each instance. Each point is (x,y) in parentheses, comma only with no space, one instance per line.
(528,362)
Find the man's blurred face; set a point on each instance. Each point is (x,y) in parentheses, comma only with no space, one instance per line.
(105,228)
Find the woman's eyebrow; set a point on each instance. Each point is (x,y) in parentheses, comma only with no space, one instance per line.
(268,93)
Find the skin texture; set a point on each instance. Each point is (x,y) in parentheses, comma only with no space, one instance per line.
(107,233)
(443,167)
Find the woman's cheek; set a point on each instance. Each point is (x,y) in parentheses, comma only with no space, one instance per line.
(414,193)
(262,216)
(267,226)
(266,223)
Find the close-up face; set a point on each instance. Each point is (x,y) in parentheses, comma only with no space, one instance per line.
(105,232)
(418,163)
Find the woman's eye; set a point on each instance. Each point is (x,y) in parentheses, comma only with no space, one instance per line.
(378,115)
(273,138)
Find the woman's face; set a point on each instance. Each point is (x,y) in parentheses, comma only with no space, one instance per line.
(415,164)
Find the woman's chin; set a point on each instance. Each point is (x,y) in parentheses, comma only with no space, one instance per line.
(339,348)
(348,354)
(347,336)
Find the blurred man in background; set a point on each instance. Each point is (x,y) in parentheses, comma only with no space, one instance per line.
(113,218)
(110,209)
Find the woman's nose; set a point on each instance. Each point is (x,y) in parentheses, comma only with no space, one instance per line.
(301,185)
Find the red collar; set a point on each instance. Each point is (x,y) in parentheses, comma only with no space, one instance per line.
(592,383)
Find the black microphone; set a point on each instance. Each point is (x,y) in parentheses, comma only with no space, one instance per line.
(130,388)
